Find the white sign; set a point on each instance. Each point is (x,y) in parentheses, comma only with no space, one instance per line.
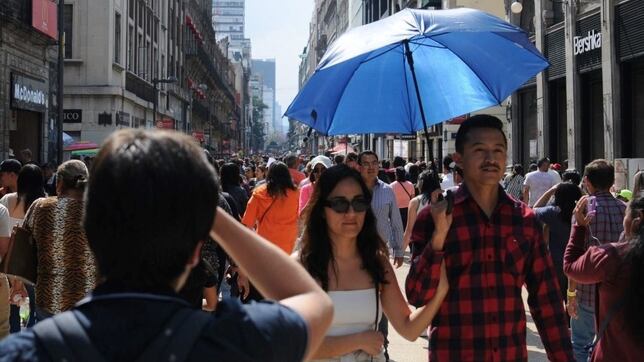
(589,42)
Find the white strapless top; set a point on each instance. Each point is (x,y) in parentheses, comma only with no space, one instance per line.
(355,311)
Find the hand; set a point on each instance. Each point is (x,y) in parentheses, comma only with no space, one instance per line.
(17,290)
(442,221)
(243,285)
(571,307)
(443,283)
(398,261)
(581,217)
(371,342)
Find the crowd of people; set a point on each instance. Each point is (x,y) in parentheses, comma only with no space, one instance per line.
(265,259)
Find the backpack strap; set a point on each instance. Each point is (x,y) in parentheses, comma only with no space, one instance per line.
(176,339)
(65,339)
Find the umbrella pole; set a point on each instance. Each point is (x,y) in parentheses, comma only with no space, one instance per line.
(410,61)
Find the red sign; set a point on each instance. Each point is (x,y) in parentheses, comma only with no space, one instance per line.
(44,17)
(199,136)
(165,123)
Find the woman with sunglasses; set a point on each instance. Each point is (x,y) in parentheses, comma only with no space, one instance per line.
(318,165)
(342,250)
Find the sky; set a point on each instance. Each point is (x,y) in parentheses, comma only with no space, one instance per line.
(280,29)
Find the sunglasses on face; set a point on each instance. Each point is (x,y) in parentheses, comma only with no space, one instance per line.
(341,204)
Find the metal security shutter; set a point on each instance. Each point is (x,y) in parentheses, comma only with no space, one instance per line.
(589,60)
(532,81)
(556,54)
(630,29)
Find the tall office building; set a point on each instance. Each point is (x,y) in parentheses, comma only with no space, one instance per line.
(228,18)
(266,69)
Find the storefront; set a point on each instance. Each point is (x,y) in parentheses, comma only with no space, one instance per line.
(29,100)
(630,51)
(525,143)
(557,141)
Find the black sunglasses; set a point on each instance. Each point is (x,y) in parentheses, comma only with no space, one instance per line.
(341,204)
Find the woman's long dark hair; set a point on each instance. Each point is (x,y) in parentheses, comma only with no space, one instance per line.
(278,180)
(566,196)
(30,185)
(317,253)
(633,306)
(428,182)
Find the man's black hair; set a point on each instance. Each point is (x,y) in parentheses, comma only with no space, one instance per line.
(364,153)
(542,161)
(141,228)
(477,121)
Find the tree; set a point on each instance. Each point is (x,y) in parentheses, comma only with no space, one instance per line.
(257,133)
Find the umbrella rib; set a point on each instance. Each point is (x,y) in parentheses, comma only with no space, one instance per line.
(464,62)
(381,54)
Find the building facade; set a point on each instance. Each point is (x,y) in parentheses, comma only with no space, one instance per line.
(588,104)
(28,78)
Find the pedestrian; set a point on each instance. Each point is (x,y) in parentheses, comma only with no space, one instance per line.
(5,237)
(342,250)
(29,188)
(338,159)
(352,161)
(66,268)
(537,182)
(318,165)
(571,176)
(9,170)
(404,191)
(638,183)
(490,256)
(145,247)
(231,183)
(448,176)
(428,182)
(388,221)
(605,227)
(558,218)
(618,271)
(293,162)
(513,184)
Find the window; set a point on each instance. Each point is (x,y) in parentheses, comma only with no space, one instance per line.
(130,12)
(130,48)
(117,38)
(68,12)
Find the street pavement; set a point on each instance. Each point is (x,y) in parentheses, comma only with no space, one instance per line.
(402,350)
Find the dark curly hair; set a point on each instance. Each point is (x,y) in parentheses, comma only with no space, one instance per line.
(317,254)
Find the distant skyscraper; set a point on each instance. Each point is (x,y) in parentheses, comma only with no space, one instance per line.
(228,22)
(266,69)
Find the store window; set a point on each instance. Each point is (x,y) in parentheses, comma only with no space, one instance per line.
(68,22)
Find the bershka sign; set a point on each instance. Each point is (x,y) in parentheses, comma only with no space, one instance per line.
(28,93)
(590,42)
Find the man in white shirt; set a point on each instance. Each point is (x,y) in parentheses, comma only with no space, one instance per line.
(538,182)
(448,176)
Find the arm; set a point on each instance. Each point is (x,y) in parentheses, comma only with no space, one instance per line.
(396,228)
(526,193)
(410,324)
(543,200)
(411,219)
(301,293)
(545,302)
(368,341)
(423,279)
(586,266)
(210,294)
(5,231)
(250,215)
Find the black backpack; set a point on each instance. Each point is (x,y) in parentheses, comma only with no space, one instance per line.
(65,339)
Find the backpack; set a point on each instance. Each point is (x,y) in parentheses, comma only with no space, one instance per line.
(65,339)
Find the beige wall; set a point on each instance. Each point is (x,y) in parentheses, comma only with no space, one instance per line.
(494,7)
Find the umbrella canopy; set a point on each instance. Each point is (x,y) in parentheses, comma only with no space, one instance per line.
(413,69)
(67,139)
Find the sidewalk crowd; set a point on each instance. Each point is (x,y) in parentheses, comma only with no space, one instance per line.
(154,250)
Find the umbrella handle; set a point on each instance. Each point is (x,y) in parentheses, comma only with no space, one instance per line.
(410,62)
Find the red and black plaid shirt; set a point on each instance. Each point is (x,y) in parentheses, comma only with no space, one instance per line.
(488,261)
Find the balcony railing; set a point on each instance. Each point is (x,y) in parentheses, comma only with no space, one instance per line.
(139,87)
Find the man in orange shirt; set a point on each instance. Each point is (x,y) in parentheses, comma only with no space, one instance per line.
(292,162)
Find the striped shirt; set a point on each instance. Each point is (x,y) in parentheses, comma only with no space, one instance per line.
(607,227)
(384,206)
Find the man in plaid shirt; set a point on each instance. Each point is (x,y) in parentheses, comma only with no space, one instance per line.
(605,227)
(493,247)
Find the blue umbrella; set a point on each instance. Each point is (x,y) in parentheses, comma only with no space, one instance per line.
(413,69)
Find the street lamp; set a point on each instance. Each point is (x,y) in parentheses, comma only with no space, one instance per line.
(155,82)
(516,7)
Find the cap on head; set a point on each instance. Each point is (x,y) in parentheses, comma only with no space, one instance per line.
(323,160)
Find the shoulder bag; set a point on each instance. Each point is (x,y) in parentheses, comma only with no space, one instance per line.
(21,259)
